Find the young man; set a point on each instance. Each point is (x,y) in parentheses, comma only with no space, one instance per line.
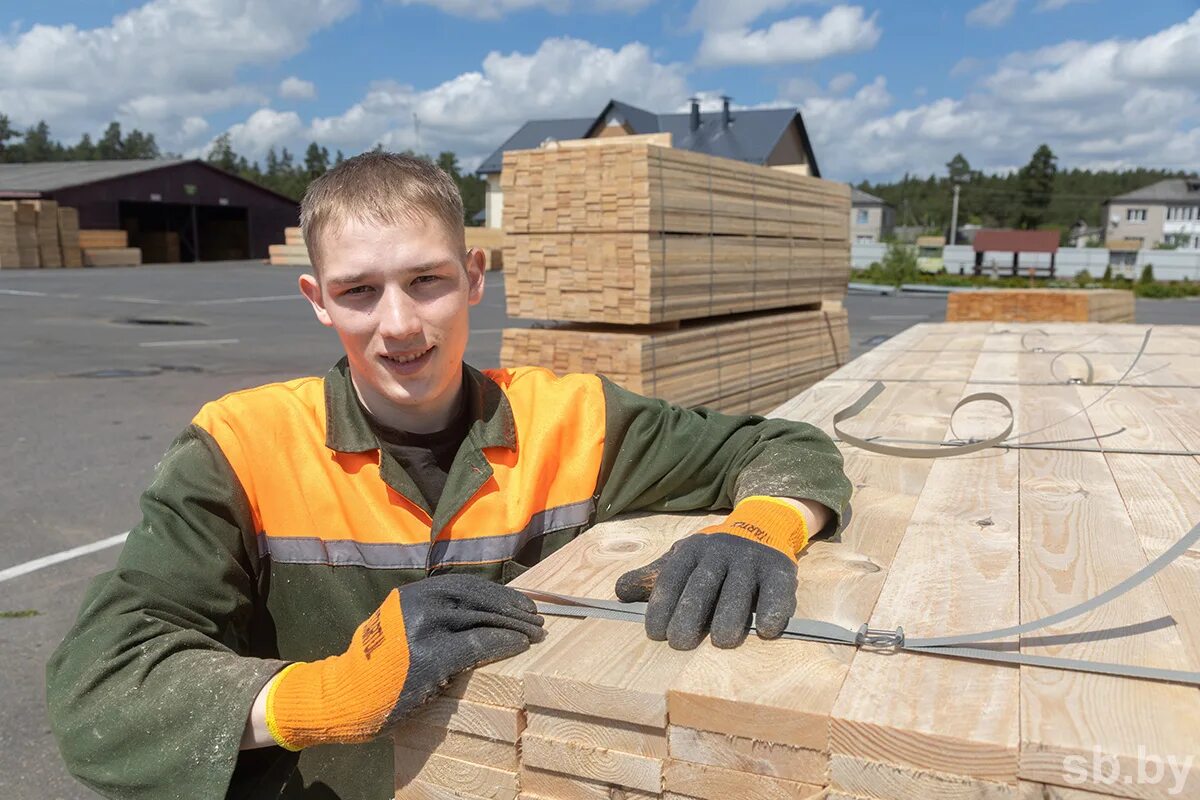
(319,557)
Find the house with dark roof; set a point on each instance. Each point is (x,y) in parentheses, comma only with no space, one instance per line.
(1163,212)
(215,215)
(770,137)
(871,219)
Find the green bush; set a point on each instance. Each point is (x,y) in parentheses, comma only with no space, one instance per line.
(1107,274)
(900,265)
(1147,274)
(1083,278)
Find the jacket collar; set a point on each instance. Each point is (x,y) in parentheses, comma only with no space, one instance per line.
(347,429)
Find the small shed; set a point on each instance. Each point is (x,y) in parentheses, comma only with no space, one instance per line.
(1015,242)
(174,209)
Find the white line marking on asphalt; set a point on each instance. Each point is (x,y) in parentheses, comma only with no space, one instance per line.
(900,316)
(189,343)
(20,293)
(65,555)
(266,299)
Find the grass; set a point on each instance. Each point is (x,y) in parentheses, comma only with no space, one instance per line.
(25,612)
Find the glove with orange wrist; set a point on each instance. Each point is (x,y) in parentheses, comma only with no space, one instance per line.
(421,636)
(716,578)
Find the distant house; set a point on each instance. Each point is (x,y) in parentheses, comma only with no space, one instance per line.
(871,219)
(769,137)
(1163,212)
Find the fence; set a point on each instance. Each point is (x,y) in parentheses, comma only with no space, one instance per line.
(1169,265)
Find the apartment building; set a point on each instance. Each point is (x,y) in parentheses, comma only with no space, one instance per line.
(1167,212)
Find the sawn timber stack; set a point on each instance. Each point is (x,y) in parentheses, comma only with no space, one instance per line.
(699,280)
(940,547)
(638,233)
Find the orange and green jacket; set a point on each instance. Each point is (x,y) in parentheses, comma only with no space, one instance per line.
(275,524)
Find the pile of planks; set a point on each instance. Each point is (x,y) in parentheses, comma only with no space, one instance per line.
(108,248)
(10,251)
(491,242)
(1041,305)
(292,253)
(68,236)
(635,233)
(696,279)
(939,547)
(22,235)
(38,233)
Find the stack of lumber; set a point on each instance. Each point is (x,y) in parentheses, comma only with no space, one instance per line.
(26,233)
(491,242)
(292,252)
(939,547)
(1041,305)
(700,280)
(108,248)
(46,216)
(638,233)
(68,236)
(160,247)
(10,253)
(741,364)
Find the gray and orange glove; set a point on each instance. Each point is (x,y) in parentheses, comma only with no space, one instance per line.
(714,579)
(418,639)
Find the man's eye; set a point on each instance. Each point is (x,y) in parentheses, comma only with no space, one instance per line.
(358,290)
(426,279)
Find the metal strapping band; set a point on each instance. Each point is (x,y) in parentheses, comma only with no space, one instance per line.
(949,646)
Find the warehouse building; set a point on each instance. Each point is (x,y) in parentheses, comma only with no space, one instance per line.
(174,210)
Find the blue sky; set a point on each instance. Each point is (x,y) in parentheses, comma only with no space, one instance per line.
(884,87)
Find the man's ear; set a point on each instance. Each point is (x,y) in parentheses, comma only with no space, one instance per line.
(475,273)
(310,287)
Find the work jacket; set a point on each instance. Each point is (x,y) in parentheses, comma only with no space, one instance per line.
(275,524)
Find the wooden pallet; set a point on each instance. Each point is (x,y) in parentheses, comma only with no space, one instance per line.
(288,255)
(1041,305)
(743,364)
(643,279)
(943,546)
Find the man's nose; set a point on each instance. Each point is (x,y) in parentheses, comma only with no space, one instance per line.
(397,316)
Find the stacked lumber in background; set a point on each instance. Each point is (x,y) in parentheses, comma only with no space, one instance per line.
(10,253)
(292,253)
(491,242)
(68,236)
(108,248)
(699,280)
(939,547)
(25,231)
(160,247)
(635,233)
(744,364)
(46,221)
(1041,305)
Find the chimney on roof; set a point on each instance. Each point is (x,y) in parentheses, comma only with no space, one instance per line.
(726,120)
(694,122)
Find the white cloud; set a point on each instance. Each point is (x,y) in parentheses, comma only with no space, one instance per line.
(474,112)
(992,13)
(1110,104)
(965,66)
(156,65)
(841,82)
(293,88)
(494,9)
(843,30)
(1055,5)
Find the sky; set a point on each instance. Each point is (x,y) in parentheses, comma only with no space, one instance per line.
(884,88)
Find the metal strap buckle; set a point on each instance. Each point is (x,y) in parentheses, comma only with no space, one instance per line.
(877,637)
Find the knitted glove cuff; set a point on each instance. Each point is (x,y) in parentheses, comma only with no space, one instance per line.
(769,521)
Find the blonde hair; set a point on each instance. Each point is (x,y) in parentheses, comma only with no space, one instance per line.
(383,188)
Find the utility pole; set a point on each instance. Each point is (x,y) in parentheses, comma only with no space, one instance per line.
(954,218)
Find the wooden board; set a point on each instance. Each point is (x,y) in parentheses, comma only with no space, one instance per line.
(491,242)
(68,236)
(112,257)
(1041,305)
(25,232)
(10,252)
(96,239)
(944,546)
(746,364)
(639,278)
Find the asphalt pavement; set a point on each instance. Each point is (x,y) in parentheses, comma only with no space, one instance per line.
(102,368)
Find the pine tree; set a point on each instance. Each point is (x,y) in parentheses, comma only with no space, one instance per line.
(1037,188)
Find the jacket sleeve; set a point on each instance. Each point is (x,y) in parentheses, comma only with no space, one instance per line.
(660,457)
(147,694)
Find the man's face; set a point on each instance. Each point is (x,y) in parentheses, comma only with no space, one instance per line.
(398,297)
